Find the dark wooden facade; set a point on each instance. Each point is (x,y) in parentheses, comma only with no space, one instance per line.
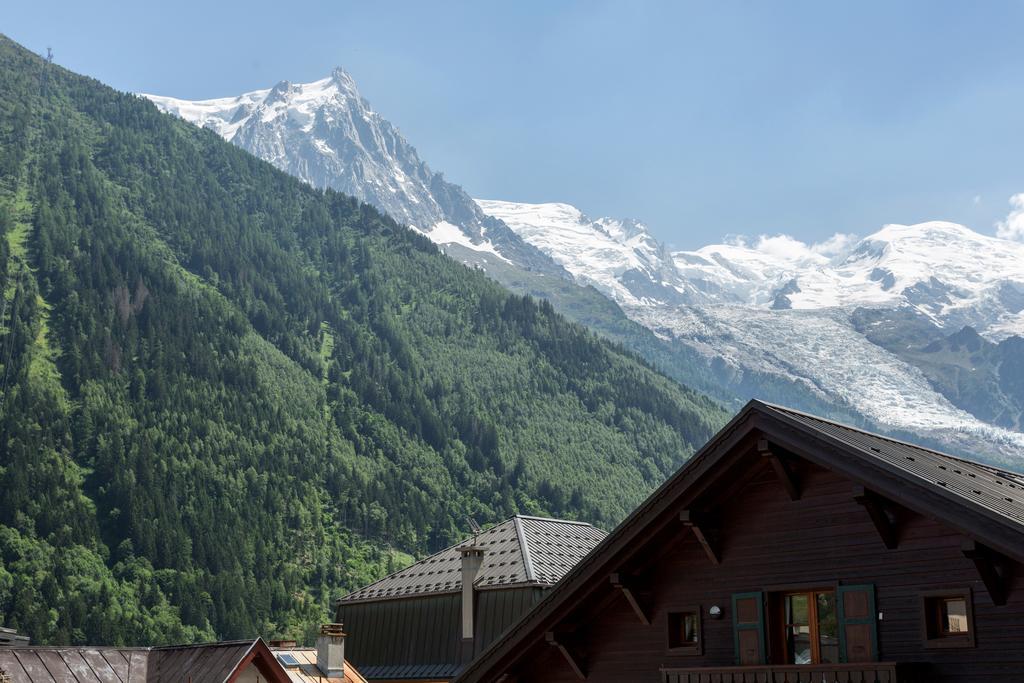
(419,638)
(773,506)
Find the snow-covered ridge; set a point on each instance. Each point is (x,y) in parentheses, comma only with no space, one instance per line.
(299,101)
(617,256)
(875,270)
(950,273)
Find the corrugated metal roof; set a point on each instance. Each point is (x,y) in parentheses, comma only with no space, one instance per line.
(997,490)
(73,664)
(209,663)
(205,663)
(307,671)
(412,672)
(521,550)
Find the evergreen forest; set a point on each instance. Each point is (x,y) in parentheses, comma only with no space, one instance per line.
(227,398)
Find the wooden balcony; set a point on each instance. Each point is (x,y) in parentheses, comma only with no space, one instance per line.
(873,672)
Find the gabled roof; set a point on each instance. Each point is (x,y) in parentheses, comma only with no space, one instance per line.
(521,551)
(985,503)
(206,663)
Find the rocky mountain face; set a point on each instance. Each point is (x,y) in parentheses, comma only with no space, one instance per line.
(327,134)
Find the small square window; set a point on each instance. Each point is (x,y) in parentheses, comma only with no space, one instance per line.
(684,632)
(948,619)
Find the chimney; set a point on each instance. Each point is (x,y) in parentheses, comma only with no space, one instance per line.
(284,644)
(472,558)
(330,651)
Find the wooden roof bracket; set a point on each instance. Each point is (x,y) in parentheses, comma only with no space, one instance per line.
(784,473)
(624,585)
(706,535)
(572,658)
(881,514)
(995,570)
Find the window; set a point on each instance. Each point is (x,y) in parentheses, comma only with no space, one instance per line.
(806,625)
(809,627)
(684,632)
(948,618)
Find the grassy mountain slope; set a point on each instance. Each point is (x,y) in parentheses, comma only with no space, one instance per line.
(227,396)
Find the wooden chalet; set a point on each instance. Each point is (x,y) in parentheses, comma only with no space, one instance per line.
(792,548)
(425,622)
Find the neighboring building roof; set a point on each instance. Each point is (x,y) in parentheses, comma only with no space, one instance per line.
(106,664)
(209,663)
(521,551)
(206,663)
(983,502)
(306,670)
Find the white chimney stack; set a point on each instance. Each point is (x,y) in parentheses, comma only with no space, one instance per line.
(330,651)
(472,558)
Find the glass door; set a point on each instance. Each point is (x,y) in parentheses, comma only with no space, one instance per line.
(811,627)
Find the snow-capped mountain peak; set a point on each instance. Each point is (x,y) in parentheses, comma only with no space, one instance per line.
(326,133)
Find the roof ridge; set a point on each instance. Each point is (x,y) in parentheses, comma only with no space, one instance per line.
(553,519)
(82,648)
(524,548)
(215,643)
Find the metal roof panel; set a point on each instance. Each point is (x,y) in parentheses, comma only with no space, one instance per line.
(520,551)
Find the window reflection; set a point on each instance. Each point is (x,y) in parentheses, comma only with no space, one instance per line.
(811,628)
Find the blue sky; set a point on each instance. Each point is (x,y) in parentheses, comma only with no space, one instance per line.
(702,119)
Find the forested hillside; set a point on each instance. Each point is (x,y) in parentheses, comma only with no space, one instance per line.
(227,397)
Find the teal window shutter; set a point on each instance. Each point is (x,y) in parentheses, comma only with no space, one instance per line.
(748,628)
(858,624)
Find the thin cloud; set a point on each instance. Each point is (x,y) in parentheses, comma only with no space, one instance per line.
(790,249)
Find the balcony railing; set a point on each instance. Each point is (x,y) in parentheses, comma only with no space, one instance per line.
(872,672)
